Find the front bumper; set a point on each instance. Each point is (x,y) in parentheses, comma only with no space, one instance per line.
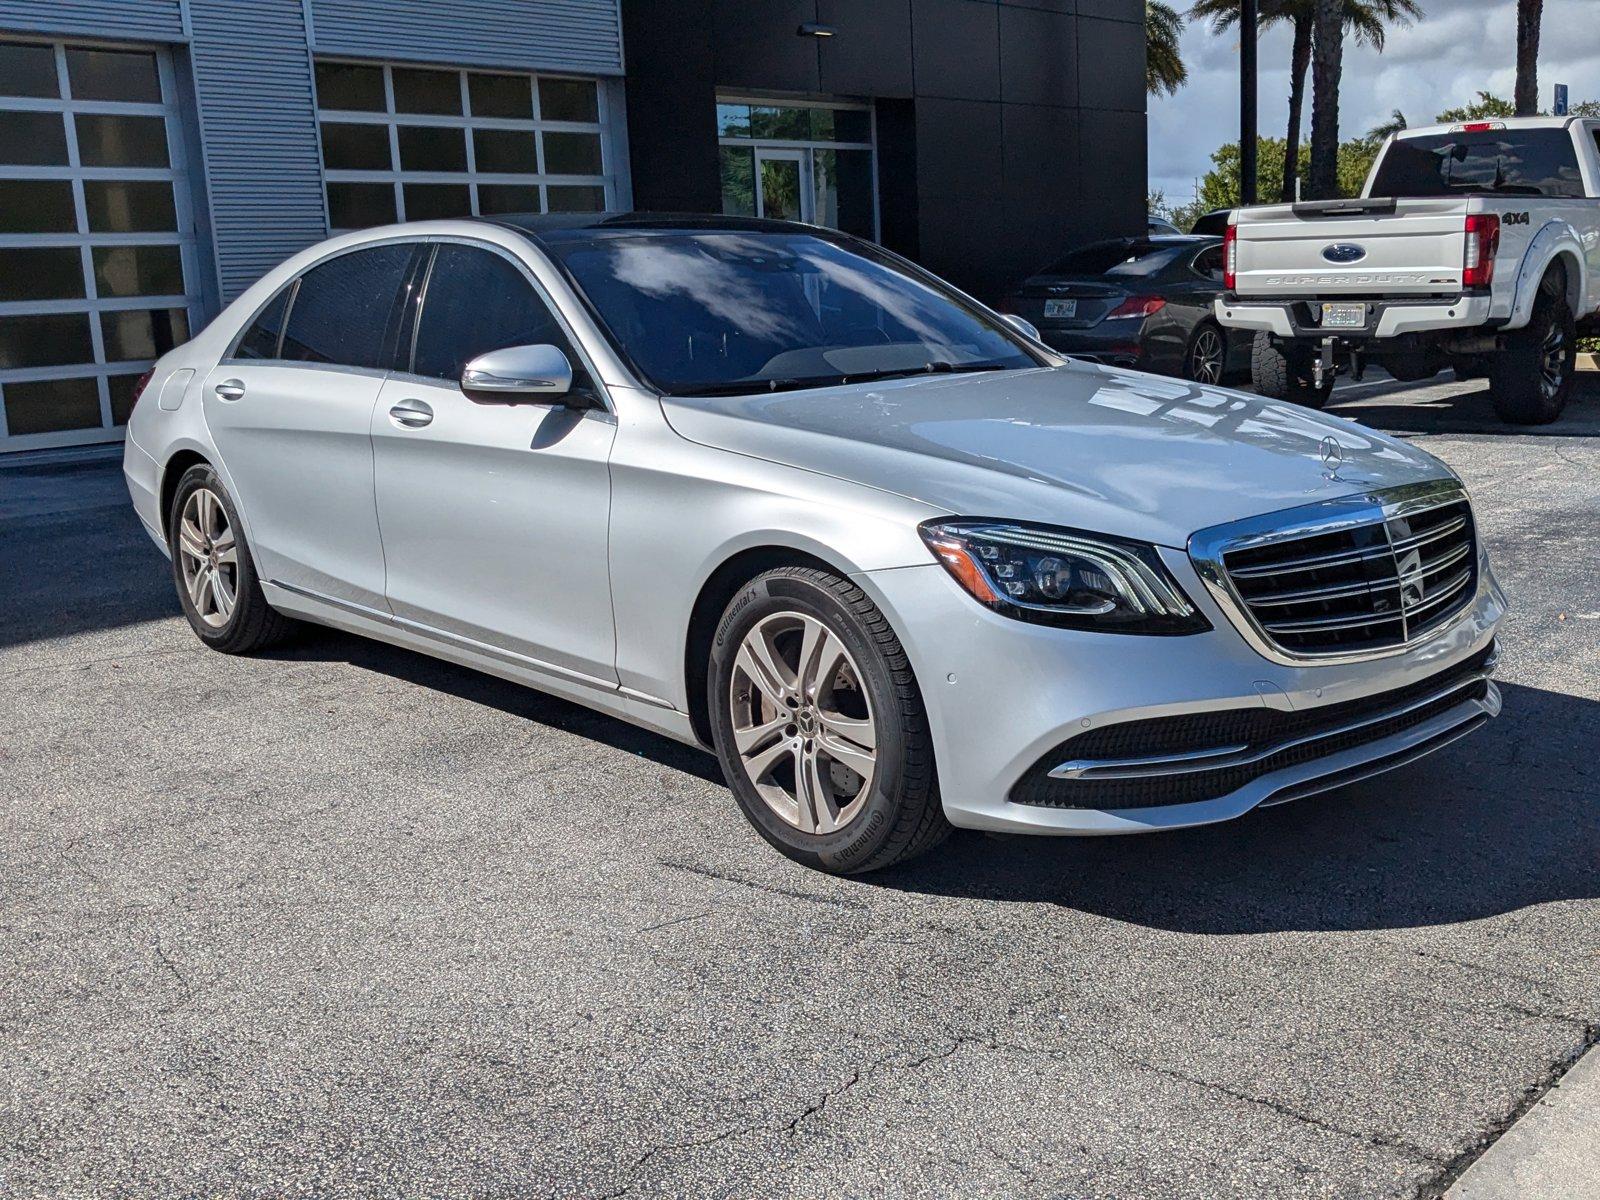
(1004,696)
(1394,318)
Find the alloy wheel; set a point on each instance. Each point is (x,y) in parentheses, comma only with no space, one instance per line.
(1206,357)
(802,723)
(208,555)
(1553,360)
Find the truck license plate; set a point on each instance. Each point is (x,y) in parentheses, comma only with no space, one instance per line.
(1344,316)
(1060,308)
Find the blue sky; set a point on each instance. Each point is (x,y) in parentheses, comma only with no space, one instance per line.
(1460,47)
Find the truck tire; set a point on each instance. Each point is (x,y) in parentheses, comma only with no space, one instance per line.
(1285,374)
(1532,377)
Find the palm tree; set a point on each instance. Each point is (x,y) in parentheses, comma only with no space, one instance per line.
(1327,70)
(1530,15)
(1367,19)
(1395,124)
(1164,72)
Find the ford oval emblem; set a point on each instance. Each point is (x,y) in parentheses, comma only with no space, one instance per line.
(1344,252)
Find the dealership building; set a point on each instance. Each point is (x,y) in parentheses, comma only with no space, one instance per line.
(158,156)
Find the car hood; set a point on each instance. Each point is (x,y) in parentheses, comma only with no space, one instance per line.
(1081,445)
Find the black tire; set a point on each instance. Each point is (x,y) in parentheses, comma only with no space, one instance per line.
(251,623)
(899,814)
(1205,358)
(1286,374)
(1532,378)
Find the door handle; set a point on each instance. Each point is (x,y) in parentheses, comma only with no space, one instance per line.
(229,389)
(412,414)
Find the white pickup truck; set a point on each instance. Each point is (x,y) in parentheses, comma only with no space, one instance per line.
(1474,246)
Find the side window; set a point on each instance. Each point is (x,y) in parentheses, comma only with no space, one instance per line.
(346,309)
(1209,263)
(261,339)
(477,301)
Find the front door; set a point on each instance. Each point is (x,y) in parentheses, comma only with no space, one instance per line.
(494,515)
(782,191)
(291,411)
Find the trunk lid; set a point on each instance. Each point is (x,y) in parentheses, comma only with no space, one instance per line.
(1355,248)
(1088,299)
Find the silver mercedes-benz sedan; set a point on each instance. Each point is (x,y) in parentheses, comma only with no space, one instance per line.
(773,491)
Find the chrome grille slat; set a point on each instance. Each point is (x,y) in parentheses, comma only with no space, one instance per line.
(1350,578)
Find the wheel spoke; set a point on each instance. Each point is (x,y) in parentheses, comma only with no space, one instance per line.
(859,759)
(223,594)
(756,736)
(755,662)
(205,509)
(759,764)
(189,537)
(816,814)
(820,653)
(199,585)
(228,557)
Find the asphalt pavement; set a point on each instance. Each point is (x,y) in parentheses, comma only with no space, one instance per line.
(344,920)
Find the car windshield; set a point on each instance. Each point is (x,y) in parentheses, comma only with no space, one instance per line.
(1521,162)
(735,311)
(1116,258)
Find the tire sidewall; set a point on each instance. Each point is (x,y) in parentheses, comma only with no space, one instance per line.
(858,841)
(197,477)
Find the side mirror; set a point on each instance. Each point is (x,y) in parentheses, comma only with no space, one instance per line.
(1025,328)
(518,373)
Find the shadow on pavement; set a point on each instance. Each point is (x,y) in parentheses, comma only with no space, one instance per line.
(1442,406)
(1507,818)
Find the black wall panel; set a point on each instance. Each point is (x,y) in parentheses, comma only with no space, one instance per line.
(1008,130)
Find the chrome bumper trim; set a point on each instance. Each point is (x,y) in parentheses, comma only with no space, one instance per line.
(1222,757)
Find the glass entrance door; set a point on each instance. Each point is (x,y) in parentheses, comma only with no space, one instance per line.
(781,190)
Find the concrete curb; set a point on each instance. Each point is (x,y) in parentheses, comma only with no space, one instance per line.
(1553,1150)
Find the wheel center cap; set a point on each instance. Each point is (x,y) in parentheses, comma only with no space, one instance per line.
(806,719)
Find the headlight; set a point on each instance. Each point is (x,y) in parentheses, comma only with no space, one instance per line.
(1063,577)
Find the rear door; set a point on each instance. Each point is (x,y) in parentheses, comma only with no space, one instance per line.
(495,515)
(291,411)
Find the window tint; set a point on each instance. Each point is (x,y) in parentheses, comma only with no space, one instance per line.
(478,301)
(1515,162)
(1116,258)
(343,308)
(261,339)
(1209,263)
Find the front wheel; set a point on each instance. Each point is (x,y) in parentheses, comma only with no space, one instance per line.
(819,724)
(1286,373)
(1532,378)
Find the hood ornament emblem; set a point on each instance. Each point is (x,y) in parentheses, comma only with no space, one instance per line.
(1332,453)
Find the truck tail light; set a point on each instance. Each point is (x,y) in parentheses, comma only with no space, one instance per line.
(1483,243)
(1230,258)
(1137,306)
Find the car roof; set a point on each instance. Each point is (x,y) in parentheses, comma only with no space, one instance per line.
(562,227)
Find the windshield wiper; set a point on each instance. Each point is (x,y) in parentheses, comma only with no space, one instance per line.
(936,367)
(754,387)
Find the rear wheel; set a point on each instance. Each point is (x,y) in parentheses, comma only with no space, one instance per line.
(1286,374)
(213,571)
(1206,359)
(819,724)
(1532,378)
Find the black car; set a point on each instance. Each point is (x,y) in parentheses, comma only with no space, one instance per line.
(1137,302)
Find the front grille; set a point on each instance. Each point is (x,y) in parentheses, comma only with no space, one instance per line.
(1249,728)
(1363,587)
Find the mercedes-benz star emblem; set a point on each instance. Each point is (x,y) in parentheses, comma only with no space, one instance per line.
(1332,453)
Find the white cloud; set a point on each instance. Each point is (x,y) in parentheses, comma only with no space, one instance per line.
(1460,48)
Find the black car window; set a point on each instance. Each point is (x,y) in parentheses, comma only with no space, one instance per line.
(1516,162)
(1209,263)
(262,338)
(1116,258)
(345,309)
(476,301)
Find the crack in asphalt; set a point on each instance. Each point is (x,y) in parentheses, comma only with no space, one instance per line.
(774,889)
